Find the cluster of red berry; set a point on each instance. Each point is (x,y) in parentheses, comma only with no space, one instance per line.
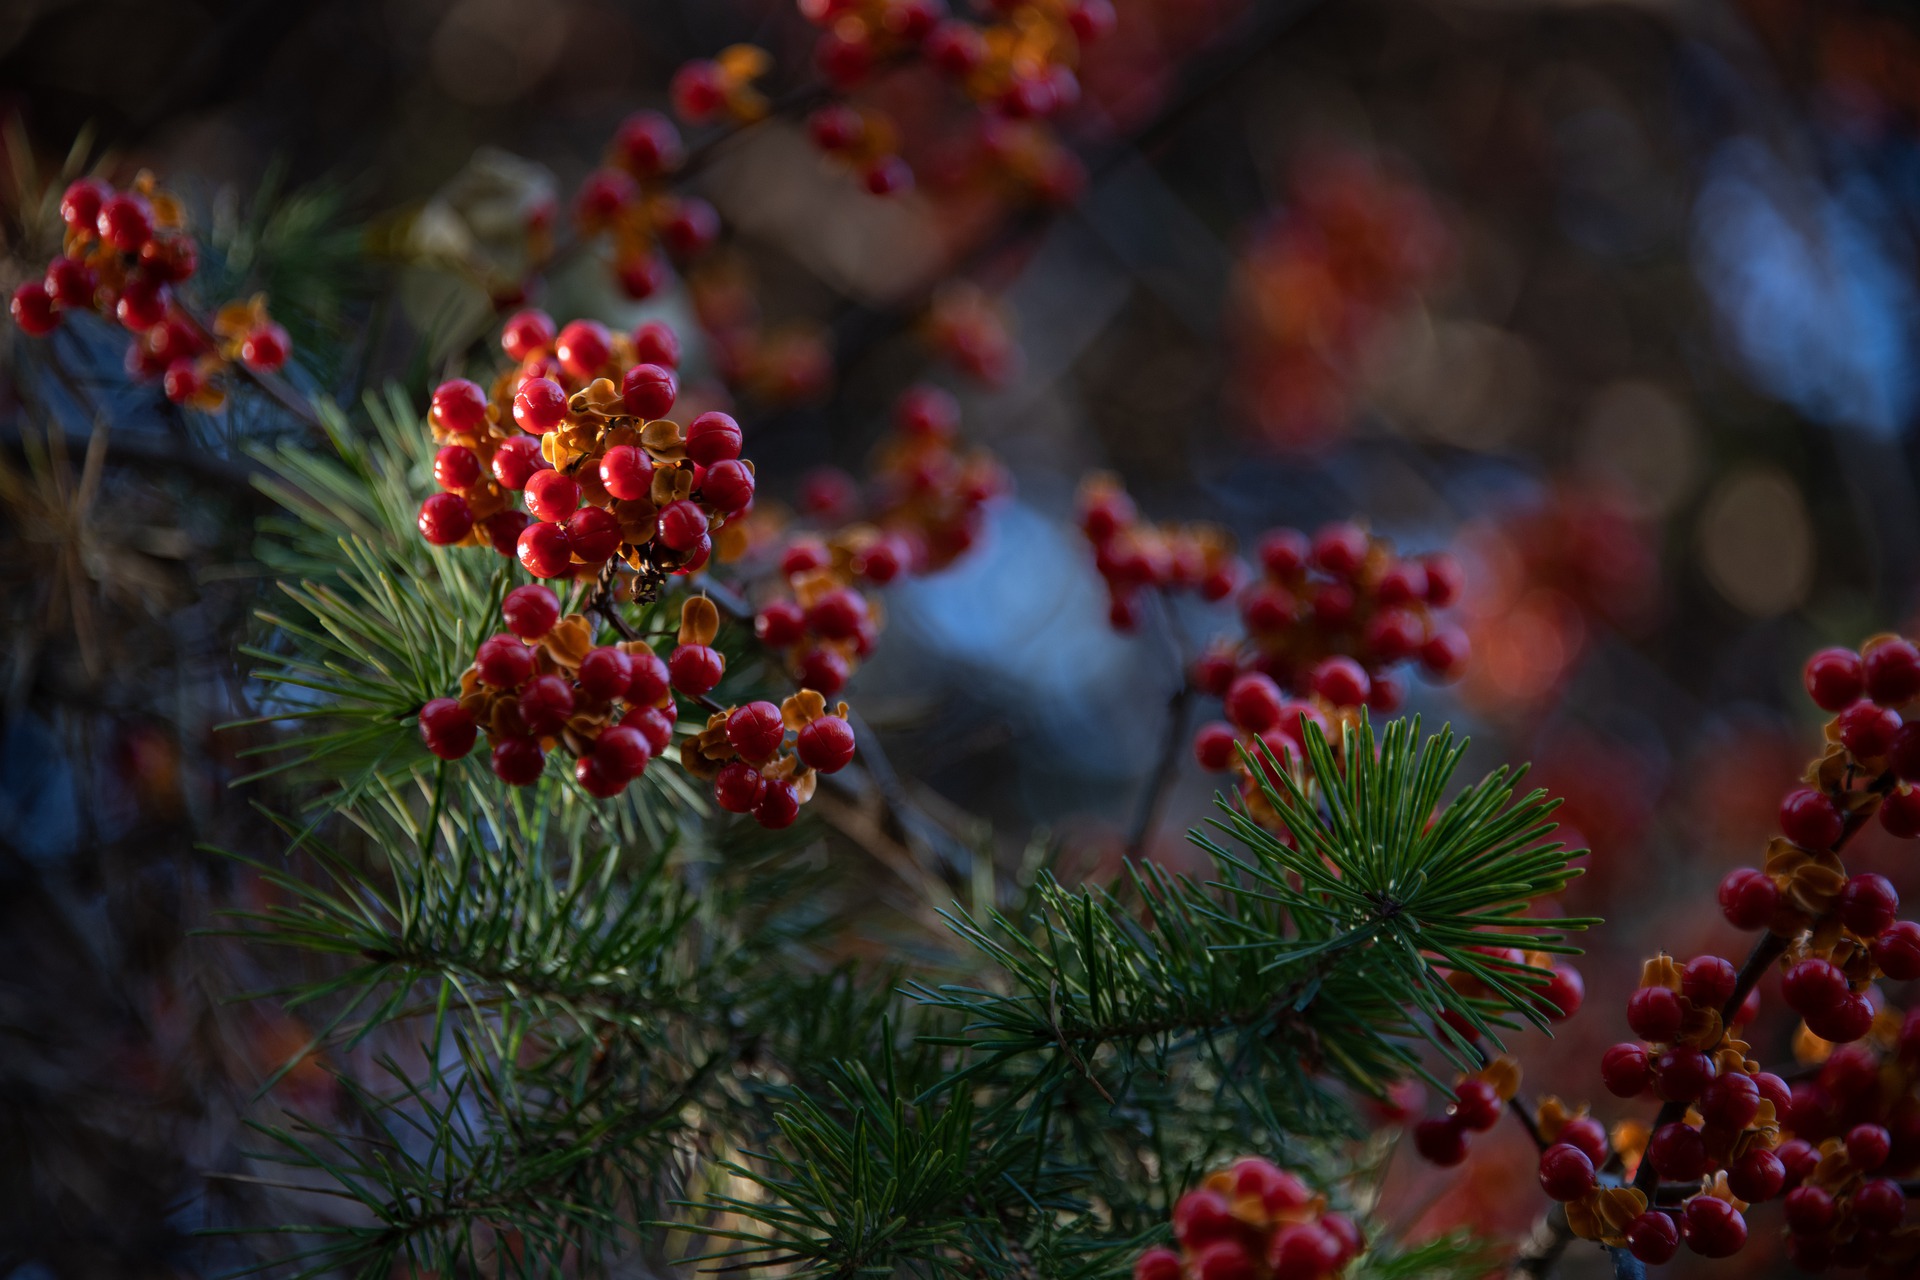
(604,475)
(744,752)
(1134,557)
(1354,245)
(926,506)
(722,87)
(125,255)
(778,364)
(1253,1221)
(628,200)
(968,328)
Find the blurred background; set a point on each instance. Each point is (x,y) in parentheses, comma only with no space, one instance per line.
(1618,301)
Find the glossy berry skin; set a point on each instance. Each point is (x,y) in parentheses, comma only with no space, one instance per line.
(545,704)
(1810,820)
(1253,702)
(1748,898)
(728,485)
(518,762)
(1893,672)
(502,662)
(756,731)
(80,203)
(515,461)
(1341,681)
(1868,904)
(447,729)
(594,534)
(648,391)
(1758,1175)
(543,550)
(1809,1210)
(1813,985)
(539,405)
(1713,1228)
(825,744)
(265,349)
(182,382)
(1868,1146)
(1731,1101)
(651,680)
(125,222)
(1879,1204)
(456,468)
(1213,747)
(460,405)
(1654,1013)
(142,305)
(738,786)
(445,518)
(552,496)
(1440,1141)
(626,472)
(1565,1172)
(1304,1251)
(1868,730)
(682,525)
(823,671)
(1564,993)
(1682,1073)
(1897,951)
(1900,812)
(584,347)
(530,611)
(1835,678)
(1844,1022)
(695,669)
(1678,1152)
(526,333)
(32,310)
(1653,1238)
(1709,981)
(503,529)
(655,342)
(626,750)
(1340,549)
(713,437)
(838,614)
(71,283)
(779,805)
(1445,654)
(1588,1136)
(1476,1105)
(599,775)
(606,673)
(779,624)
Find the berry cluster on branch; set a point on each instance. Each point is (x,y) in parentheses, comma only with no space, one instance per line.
(1254,1221)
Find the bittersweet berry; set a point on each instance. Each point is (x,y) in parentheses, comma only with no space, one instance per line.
(503,662)
(445,518)
(32,310)
(626,472)
(594,534)
(530,611)
(1708,981)
(1893,672)
(1835,678)
(682,525)
(778,806)
(264,349)
(738,787)
(447,729)
(182,381)
(142,305)
(1304,1251)
(543,549)
(822,670)
(1810,820)
(599,776)
(655,342)
(1897,951)
(1758,1175)
(1213,747)
(651,680)
(695,669)
(1565,1172)
(692,227)
(1254,702)
(1682,1073)
(503,529)
(80,203)
(515,460)
(456,468)
(1900,812)
(539,405)
(1440,1141)
(71,283)
(552,496)
(1654,1013)
(713,437)
(1879,1204)
(1341,681)
(1713,1228)
(1340,549)
(1678,1152)
(825,744)
(837,614)
(755,731)
(1813,985)
(1748,898)
(1444,655)
(1564,993)
(526,334)
(518,762)
(1653,1238)
(459,405)
(583,348)
(1843,1022)
(125,222)
(1476,1105)
(1868,904)
(606,673)
(1731,1101)
(1867,729)
(779,624)
(545,704)
(648,391)
(728,485)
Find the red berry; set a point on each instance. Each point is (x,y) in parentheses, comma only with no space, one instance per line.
(80,204)
(1731,1101)
(1708,981)
(1868,730)
(1392,634)
(1445,579)
(1879,1204)
(33,311)
(624,748)
(594,534)
(502,662)
(445,518)
(889,175)
(1713,1228)
(456,467)
(881,560)
(1868,904)
(692,229)
(530,611)
(1749,898)
(606,673)
(738,786)
(1402,583)
(142,305)
(515,461)
(1341,681)
(648,145)
(526,334)
(447,729)
(183,381)
(545,704)
(778,806)
(599,775)
(1254,702)
(1808,1210)
(1897,951)
(1682,1073)
(1893,672)
(1813,985)
(1798,1157)
(682,525)
(825,745)
(543,549)
(756,731)
(822,670)
(584,347)
(955,47)
(265,348)
(650,682)
(1303,1251)
(779,624)
(654,342)
(125,222)
(1340,549)
(713,437)
(1213,747)
(1283,552)
(1654,1013)
(1758,1175)
(1653,1238)
(1900,812)
(1565,1172)
(602,195)
(459,405)
(695,669)
(1678,1152)
(1844,1022)
(648,391)
(626,472)
(1444,656)
(1158,1263)
(518,762)
(1476,1105)
(1564,993)
(72,283)
(1092,20)
(1810,820)
(1268,608)
(1868,1146)
(1835,678)
(504,529)
(1440,1141)
(539,405)
(838,614)
(552,496)
(728,485)
(1589,1136)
